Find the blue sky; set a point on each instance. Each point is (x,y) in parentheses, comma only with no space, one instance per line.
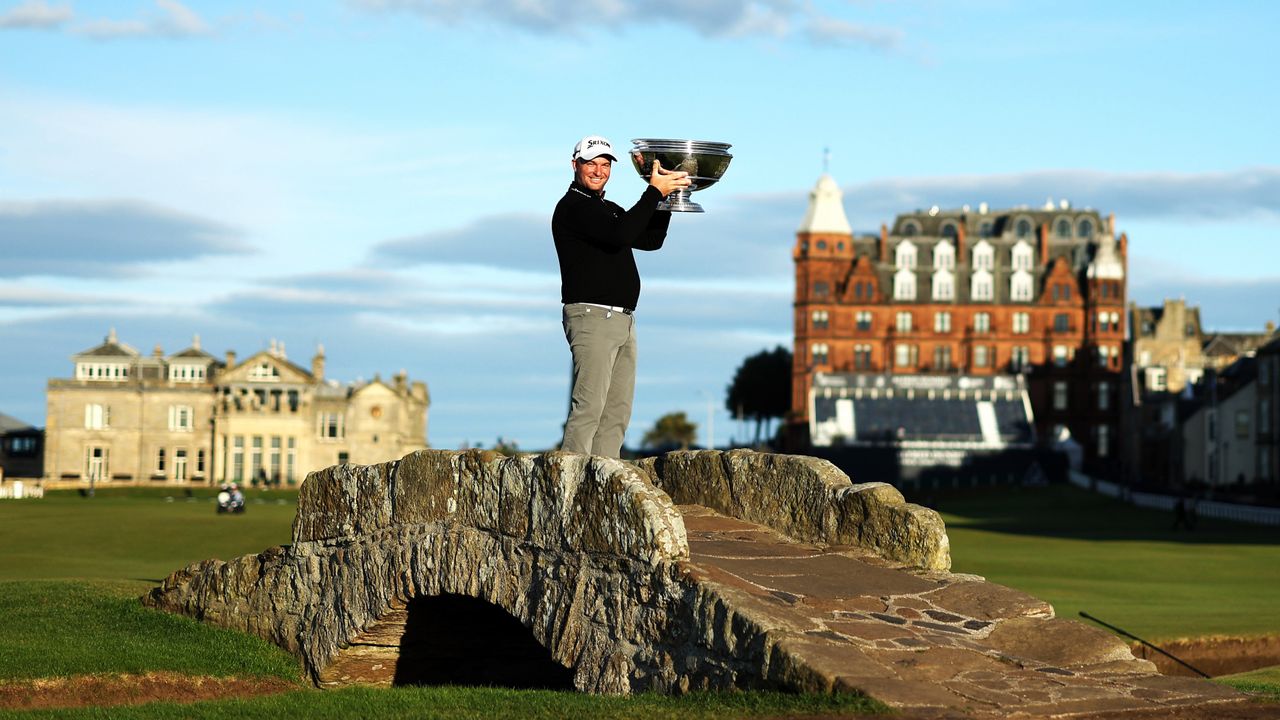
(378,175)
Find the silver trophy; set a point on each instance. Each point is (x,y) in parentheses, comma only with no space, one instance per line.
(704,161)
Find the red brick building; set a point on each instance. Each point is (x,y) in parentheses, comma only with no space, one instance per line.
(968,292)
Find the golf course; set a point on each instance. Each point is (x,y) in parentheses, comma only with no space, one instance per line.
(76,641)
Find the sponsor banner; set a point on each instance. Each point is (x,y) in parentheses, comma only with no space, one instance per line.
(916,382)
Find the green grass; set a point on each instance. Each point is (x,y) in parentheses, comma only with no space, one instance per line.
(1265,682)
(133,533)
(449,703)
(71,569)
(1081,551)
(62,628)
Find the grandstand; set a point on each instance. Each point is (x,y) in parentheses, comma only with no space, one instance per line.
(922,420)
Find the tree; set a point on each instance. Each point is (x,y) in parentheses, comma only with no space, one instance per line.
(671,429)
(761,388)
(506,447)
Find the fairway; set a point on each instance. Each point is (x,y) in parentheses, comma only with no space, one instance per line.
(133,534)
(1081,551)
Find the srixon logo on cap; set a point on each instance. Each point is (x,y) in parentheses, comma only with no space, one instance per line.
(593,143)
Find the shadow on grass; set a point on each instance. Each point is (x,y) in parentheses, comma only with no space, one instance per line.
(1064,511)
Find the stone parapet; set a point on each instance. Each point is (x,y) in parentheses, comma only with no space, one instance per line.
(807,499)
(557,501)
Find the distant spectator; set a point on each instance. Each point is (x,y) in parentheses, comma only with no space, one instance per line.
(1181,516)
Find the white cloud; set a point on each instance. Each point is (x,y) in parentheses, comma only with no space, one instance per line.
(178,19)
(172,19)
(710,18)
(1246,192)
(834,31)
(104,238)
(737,238)
(36,14)
(506,240)
(32,296)
(113,29)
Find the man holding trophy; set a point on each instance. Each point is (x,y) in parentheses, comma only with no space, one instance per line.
(600,285)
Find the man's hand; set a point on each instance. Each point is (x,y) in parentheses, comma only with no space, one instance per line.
(668,181)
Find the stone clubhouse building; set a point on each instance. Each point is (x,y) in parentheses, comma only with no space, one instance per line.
(190,417)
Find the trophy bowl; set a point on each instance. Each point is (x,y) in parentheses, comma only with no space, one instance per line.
(704,161)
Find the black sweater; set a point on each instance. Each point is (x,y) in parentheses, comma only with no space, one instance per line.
(594,238)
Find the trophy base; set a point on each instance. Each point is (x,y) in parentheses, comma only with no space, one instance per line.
(679,201)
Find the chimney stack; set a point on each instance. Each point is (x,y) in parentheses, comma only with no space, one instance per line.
(317,363)
(231,358)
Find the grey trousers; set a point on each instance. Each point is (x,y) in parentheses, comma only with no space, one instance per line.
(603,344)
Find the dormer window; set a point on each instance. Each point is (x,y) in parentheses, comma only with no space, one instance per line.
(944,256)
(1063,228)
(905,255)
(102,372)
(1023,228)
(187,373)
(984,256)
(1022,257)
(264,371)
(948,230)
(985,229)
(944,285)
(981,286)
(910,229)
(904,285)
(1020,289)
(1086,229)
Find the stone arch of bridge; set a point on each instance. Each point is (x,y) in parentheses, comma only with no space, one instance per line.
(571,547)
(459,640)
(481,600)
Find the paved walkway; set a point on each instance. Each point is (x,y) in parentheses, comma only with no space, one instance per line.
(933,644)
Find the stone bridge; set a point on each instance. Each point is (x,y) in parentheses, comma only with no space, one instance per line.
(696,570)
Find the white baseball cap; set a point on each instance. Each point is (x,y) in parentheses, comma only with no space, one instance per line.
(592,147)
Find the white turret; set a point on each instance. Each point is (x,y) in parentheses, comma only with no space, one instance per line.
(826,209)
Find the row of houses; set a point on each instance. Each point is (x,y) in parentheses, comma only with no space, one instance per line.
(1205,407)
(123,416)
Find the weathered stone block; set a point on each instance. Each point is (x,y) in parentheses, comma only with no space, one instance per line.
(342,501)
(805,498)
(1057,642)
